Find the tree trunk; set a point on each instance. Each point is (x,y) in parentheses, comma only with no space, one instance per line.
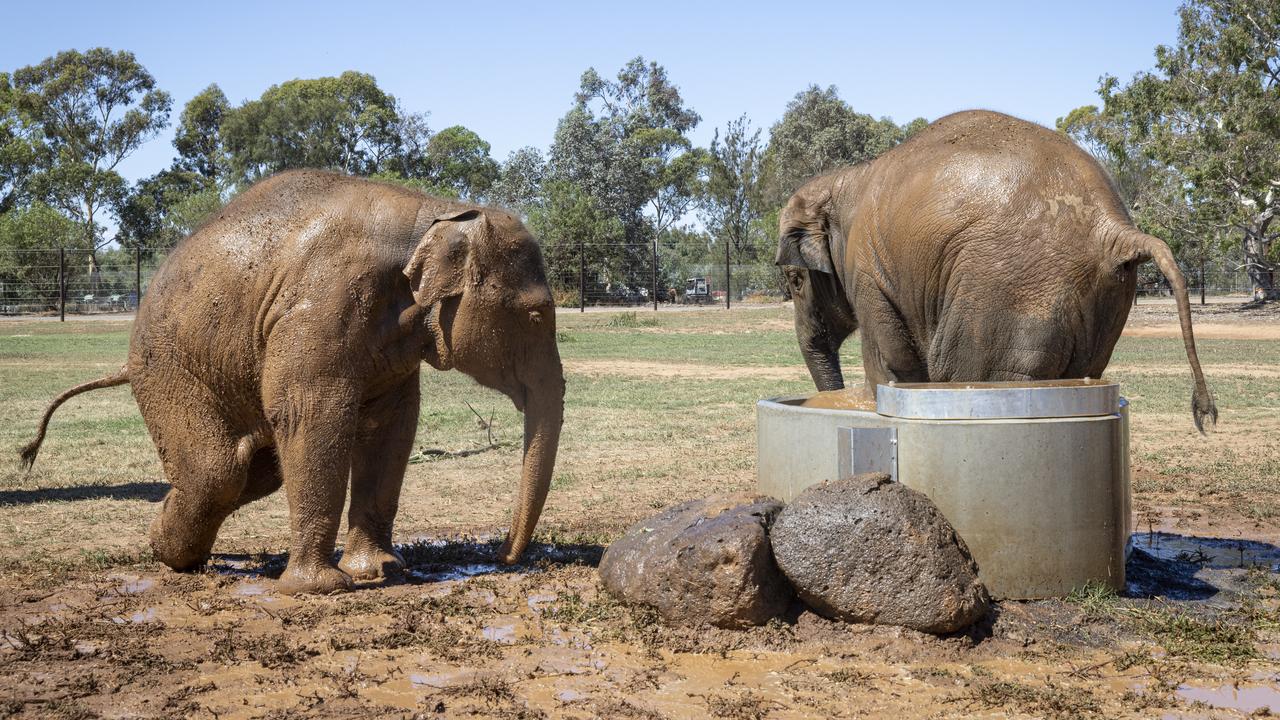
(1261,271)
(93,250)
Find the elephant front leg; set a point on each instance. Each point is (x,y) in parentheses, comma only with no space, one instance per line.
(314,425)
(388,426)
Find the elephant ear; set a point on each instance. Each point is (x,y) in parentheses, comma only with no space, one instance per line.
(805,236)
(437,269)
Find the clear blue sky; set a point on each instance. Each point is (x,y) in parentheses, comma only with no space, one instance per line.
(509,70)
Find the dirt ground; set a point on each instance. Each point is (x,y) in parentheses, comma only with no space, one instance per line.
(91,626)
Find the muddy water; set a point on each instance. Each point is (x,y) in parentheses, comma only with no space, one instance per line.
(1191,568)
(1247,698)
(847,399)
(1210,551)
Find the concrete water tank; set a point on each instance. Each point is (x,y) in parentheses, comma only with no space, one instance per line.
(1033,475)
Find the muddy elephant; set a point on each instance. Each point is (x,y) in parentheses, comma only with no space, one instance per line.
(982,248)
(281,343)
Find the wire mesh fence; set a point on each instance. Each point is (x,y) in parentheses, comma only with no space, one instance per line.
(74,281)
(1215,283)
(617,274)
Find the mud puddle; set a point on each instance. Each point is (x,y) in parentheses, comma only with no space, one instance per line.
(1247,698)
(1187,567)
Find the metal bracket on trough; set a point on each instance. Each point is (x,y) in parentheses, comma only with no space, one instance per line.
(864,450)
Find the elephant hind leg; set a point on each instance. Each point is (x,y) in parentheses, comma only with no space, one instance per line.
(207,483)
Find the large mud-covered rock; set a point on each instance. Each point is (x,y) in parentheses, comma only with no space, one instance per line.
(869,550)
(704,561)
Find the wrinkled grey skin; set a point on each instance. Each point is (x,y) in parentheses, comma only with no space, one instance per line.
(280,345)
(984,248)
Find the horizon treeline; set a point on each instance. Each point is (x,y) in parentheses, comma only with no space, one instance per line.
(1193,145)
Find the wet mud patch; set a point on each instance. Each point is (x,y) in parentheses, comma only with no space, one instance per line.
(427,560)
(1187,567)
(542,640)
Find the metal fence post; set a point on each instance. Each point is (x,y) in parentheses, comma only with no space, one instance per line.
(655,274)
(62,284)
(582,277)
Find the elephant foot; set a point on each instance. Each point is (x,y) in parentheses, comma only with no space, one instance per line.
(371,563)
(313,580)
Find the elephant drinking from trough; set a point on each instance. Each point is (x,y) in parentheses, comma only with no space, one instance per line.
(280,344)
(982,248)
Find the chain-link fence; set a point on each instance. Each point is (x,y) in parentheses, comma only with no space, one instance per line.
(78,282)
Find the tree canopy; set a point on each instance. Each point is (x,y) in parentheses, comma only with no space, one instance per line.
(820,132)
(93,110)
(1209,113)
(344,123)
(1193,145)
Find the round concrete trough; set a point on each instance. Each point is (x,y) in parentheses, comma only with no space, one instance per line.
(1041,500)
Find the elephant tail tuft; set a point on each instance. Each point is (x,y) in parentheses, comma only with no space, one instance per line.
(31,449)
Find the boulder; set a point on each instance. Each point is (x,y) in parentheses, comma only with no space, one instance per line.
(703,561)
(870,550)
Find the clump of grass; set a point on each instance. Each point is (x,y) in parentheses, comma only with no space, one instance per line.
(632,320)
(1051,701)
(1095,600)
(1215,640)
(744,706)
(572,609)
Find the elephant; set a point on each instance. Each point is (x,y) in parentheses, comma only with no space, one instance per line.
(280,345)
(983,248)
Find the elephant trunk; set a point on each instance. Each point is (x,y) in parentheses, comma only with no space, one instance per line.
(824,367)
(821,351)
(543,414)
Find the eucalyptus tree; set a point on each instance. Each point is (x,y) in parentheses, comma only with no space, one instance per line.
(819,132)
(93,109)
(1210,110)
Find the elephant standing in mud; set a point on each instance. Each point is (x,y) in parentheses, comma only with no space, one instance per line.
(984,248)
(281,343)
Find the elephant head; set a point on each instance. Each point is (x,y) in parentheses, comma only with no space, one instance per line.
(810,247)
(480,274)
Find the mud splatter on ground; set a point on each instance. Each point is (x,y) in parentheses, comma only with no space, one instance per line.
(462,637)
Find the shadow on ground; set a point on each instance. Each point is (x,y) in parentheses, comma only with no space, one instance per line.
(149,491)
(1185,567)
(428,561)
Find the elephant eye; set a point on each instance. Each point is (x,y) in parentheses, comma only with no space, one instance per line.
(797,280)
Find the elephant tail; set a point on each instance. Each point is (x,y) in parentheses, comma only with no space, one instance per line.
(31,449)
(1141,247)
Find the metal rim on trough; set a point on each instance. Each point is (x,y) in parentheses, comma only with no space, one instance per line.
(994,400)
